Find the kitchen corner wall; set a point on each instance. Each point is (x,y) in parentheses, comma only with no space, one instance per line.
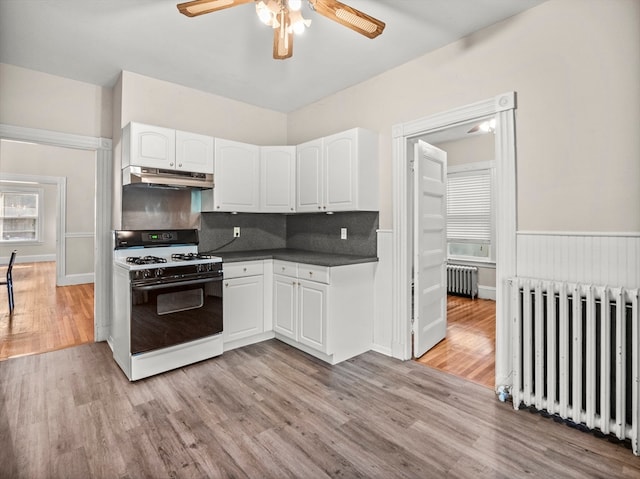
(312,232)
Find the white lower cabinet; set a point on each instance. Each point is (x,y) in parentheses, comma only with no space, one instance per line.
(326,312)
(312,314)
(243,297)
(243,307)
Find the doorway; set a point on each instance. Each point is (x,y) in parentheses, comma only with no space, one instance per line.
(47,198)
(102,149)
(467,349)
(503,108)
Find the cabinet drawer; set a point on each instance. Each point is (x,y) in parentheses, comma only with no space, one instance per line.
(237,270)
(310,272)
(285,268)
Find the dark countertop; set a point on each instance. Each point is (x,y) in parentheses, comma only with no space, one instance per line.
(296,256)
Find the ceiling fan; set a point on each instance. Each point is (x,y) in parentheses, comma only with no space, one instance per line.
(285,17)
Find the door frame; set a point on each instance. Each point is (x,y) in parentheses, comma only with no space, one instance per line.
(503,108)
(103,242)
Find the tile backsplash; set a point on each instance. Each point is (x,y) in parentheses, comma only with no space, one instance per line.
(313,232)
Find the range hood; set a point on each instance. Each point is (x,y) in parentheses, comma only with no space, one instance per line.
(142,175)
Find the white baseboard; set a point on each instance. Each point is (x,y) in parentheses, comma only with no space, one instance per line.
(487,292)
(34,258)
(73,279)
(382,350)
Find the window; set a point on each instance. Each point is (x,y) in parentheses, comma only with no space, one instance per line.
(20,214)
(470,225)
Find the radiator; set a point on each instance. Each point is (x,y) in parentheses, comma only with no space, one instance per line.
(462,280)
(575,354)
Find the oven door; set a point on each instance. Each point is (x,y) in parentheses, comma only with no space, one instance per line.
(173,313)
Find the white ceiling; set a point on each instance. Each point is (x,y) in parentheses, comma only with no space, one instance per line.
(229,52)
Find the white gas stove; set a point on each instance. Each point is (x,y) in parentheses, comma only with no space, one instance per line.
(167,301)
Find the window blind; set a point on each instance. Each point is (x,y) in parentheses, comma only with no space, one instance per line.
(469,207)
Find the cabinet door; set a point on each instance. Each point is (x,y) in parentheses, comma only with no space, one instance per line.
(312,314)
(194,152)
(340,163)
(309,183)
(278,181)
(237,176)
(285,306)
(243,307)
(152,146)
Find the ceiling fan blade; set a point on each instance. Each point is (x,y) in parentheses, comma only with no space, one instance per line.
(200,7)
(349,17)
(282,44)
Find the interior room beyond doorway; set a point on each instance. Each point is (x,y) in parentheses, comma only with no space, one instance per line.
(45,317)
(469,349)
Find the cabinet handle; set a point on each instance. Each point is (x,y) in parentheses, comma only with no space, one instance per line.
(180,165)
(244,269)
(226,285)
(218,206)
(319,207)
(170,164)
(310,273)
(283,268)
(324,207)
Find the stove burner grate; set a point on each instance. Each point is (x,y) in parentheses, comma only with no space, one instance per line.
(189,256)
(145,260)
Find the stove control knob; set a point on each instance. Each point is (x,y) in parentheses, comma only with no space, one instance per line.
(159,272)
(146,273)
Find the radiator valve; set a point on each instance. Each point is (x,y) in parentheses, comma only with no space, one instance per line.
(503,393)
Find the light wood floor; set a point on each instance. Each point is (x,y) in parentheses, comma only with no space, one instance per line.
(45,317)
(270,411)
(469,350)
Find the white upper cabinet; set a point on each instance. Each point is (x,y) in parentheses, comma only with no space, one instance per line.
(277,179)
(339,172)
(236,176)
(309,182)
(146,145)
(157,147)
(194,152)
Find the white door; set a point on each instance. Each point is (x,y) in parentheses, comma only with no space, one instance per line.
(430,247)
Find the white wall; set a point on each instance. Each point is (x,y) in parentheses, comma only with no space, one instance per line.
(472,149)
(78,167)
(39,100)
(157,102)
(575,65)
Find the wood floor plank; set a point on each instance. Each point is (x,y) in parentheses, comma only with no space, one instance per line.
(270,411)
(46,317)
(469,348)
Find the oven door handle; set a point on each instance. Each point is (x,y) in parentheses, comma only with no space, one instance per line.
(154,287)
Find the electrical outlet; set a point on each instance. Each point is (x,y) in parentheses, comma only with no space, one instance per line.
(236,232)
(343,233)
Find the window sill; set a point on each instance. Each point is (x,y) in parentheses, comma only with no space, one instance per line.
(470,262)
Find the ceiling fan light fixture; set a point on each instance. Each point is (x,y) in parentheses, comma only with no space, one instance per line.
(294,5)
(297,22)
(285,17)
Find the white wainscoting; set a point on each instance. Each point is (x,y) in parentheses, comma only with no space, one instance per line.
(611,259)
(382,323)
